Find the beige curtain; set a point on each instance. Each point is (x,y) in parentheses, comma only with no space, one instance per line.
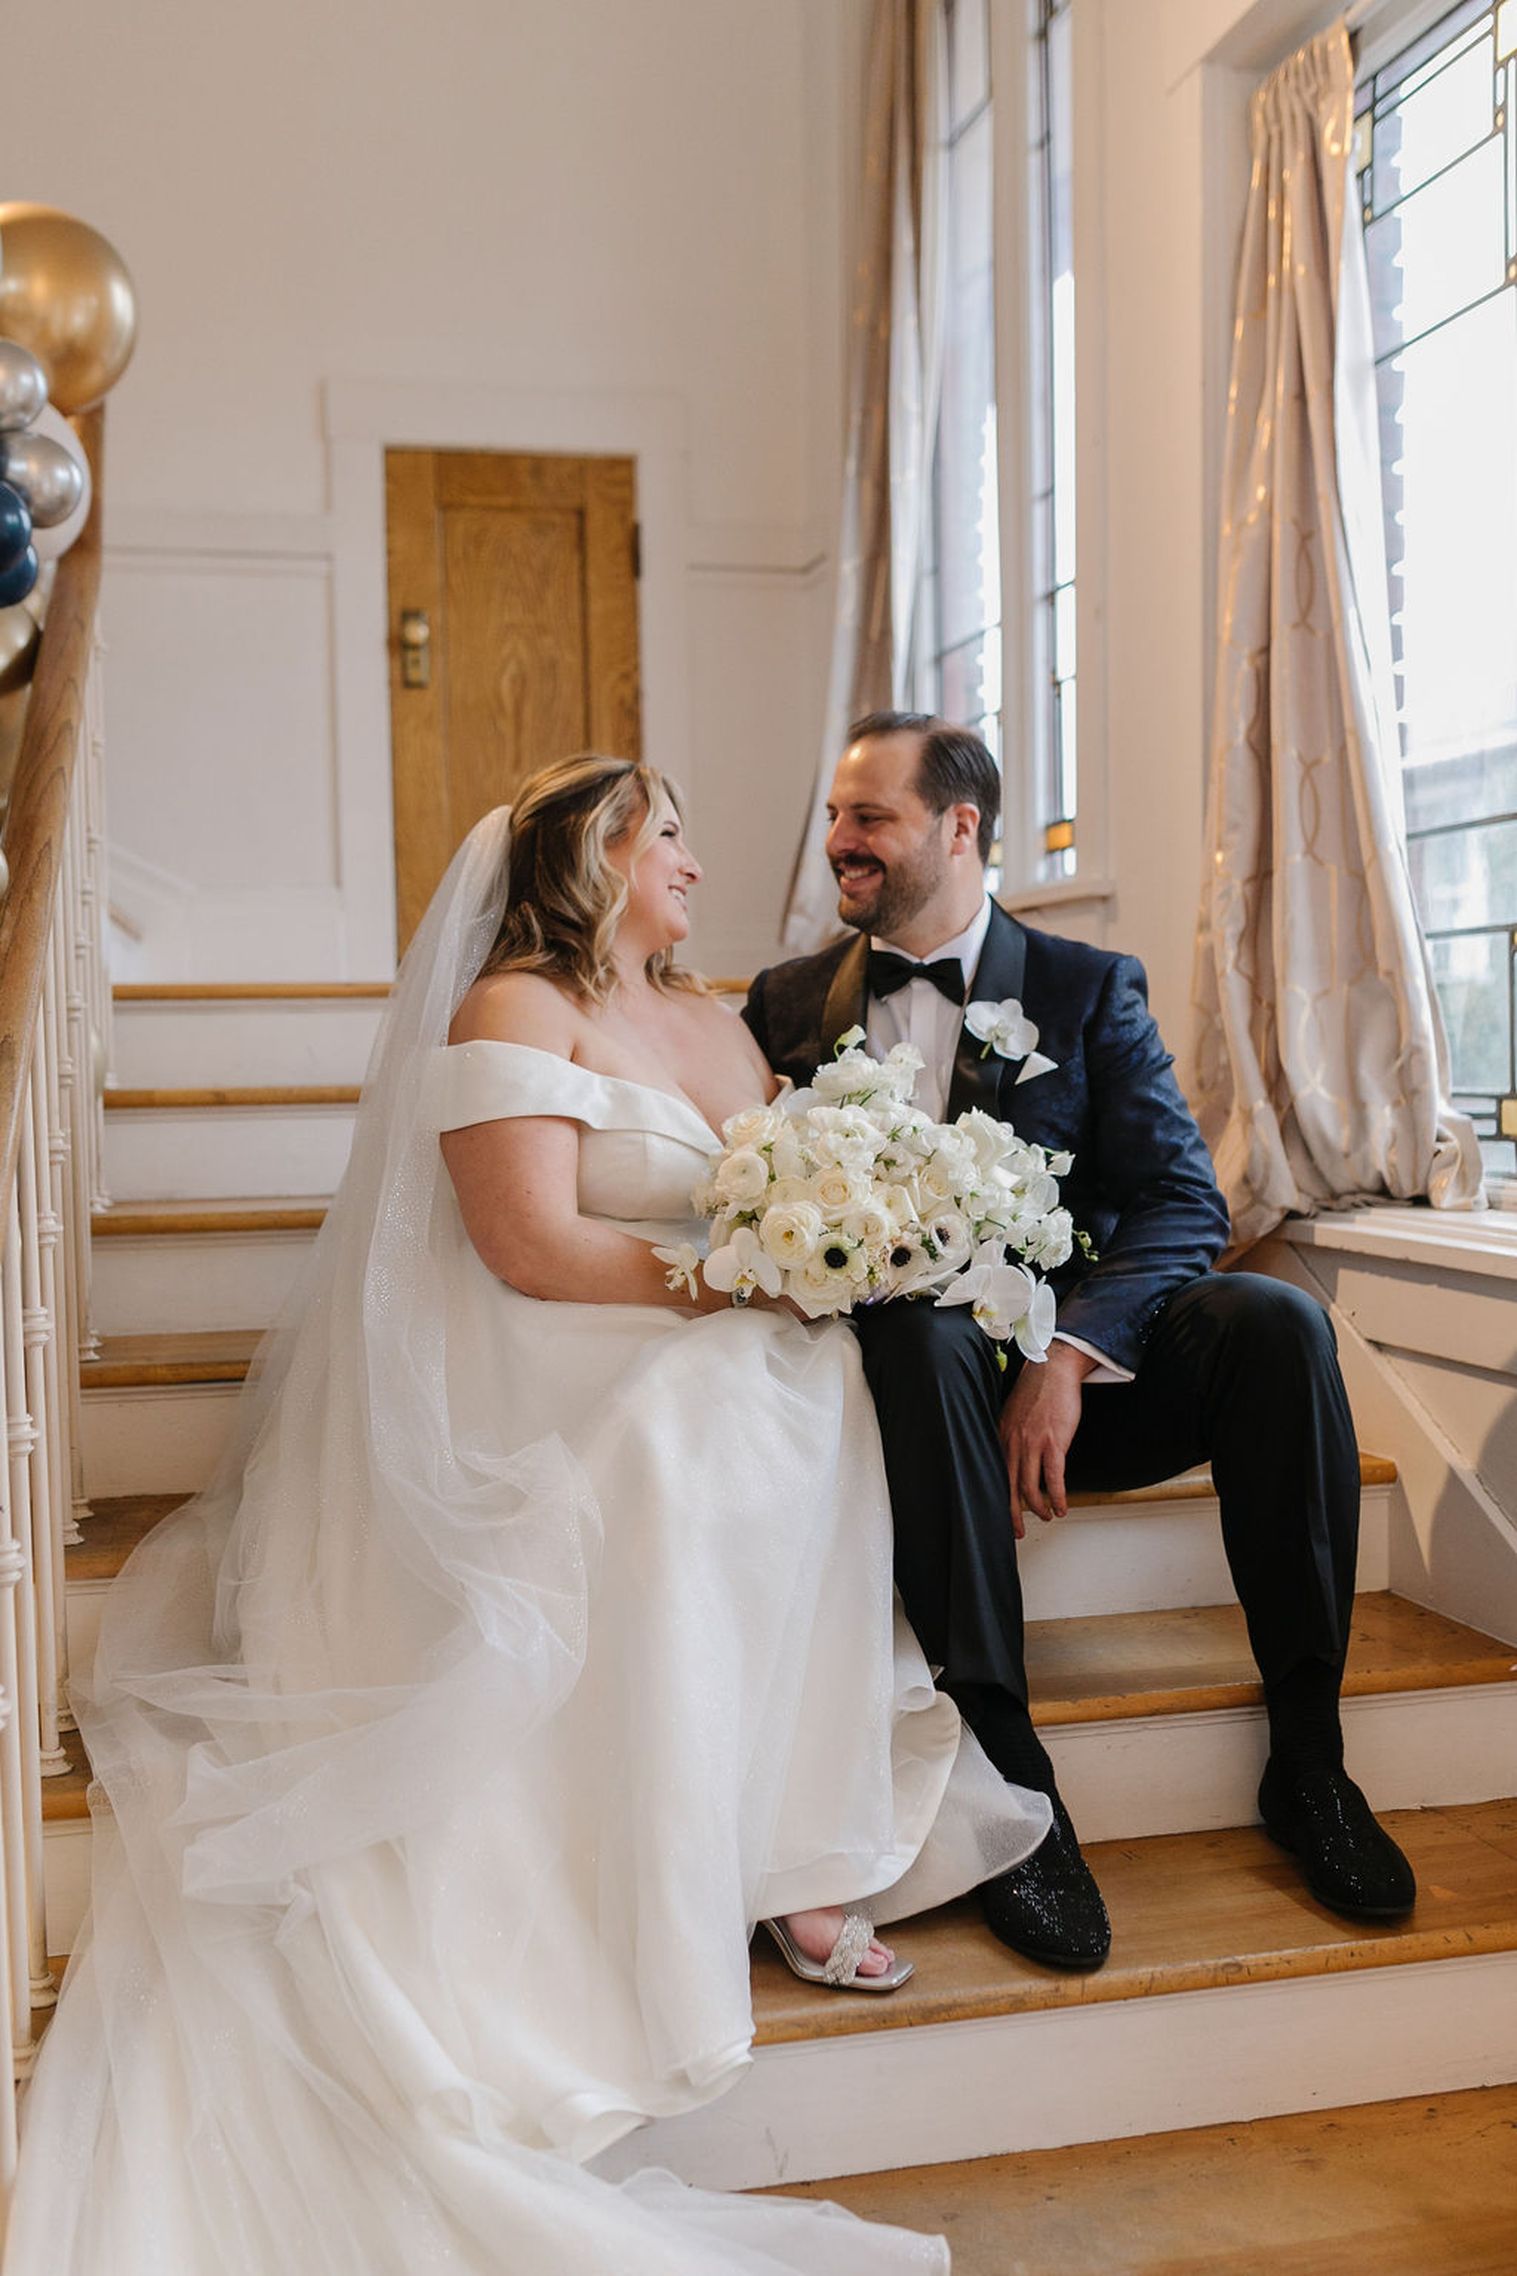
(1320,1070)
(895,355)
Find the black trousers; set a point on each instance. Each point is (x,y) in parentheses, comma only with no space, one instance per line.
(1240,1370)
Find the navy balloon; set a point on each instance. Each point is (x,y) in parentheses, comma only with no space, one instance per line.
(17,580)
(15,527)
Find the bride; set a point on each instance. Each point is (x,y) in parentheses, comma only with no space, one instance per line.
(535,1638)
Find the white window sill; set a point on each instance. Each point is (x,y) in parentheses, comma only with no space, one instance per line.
(1453,1240)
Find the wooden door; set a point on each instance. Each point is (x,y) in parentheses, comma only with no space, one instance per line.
(523,573)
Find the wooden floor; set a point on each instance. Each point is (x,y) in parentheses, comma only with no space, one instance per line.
(1419,2188)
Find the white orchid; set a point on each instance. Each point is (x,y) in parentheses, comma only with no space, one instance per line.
(1003,1298)
(741,1265)
(684,1262)
(1006,1029)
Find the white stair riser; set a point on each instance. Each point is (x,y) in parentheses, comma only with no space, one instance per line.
(184,1153)
(1153,1774)
(162,1282)
(162,1045)
(66,1873)
(1153,1557)
(154,1441)
(1107,2070)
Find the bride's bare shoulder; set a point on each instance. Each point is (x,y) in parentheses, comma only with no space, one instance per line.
(518,1007)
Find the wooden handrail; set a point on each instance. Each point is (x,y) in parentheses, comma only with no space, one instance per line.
(39,800)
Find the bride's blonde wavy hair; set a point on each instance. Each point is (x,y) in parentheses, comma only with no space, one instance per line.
(564,899)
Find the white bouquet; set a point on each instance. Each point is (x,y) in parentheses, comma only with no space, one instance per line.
(845,1193)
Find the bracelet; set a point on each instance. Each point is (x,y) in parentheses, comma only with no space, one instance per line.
(741,1295)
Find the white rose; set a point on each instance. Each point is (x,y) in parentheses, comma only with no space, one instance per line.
(743,1177)
(751,1127)
(834,1189)
(871,1224)
(786,1190)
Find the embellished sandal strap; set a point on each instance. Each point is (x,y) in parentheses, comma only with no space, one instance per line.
(854,1939)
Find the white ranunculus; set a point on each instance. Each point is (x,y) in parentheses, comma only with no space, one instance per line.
(742,1177)
(791,1232)
(788,1189)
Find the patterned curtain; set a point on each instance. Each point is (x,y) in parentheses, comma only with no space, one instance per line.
(895,358)
(1320,1067)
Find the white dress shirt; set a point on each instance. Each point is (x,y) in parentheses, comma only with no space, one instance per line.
(920,1014)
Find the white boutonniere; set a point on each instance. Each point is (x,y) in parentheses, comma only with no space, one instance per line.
(1005,1028)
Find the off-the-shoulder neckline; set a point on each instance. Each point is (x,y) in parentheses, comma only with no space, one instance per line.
(592,1075)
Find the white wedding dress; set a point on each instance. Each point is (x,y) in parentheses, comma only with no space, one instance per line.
(522,1655)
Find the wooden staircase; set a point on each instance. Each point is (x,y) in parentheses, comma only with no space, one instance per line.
(1230,1995)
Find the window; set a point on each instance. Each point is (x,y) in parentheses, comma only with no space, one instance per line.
(1436,155)
(1052,334)
(961,597)
(959,630)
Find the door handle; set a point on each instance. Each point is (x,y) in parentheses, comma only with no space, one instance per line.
(415,649)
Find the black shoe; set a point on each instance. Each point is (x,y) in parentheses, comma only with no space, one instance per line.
(1048,1908)
(1350,1863)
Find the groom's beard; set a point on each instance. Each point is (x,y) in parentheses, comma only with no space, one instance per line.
(892,898)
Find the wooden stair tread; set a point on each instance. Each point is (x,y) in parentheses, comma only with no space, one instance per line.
(1189,1912)
(1196,1485)
(247,1213)
(63,1797)
(247,991)
(205,1355)
(229,1095)
(1195,1659)
(1421,2187)
(112,1531)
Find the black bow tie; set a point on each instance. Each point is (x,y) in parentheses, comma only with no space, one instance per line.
(887,972)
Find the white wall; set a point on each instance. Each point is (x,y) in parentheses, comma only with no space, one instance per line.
(513,200)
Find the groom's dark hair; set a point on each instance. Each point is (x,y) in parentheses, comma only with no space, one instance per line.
(954,768)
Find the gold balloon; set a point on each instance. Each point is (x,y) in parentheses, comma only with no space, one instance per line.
(20,635)
(66,295)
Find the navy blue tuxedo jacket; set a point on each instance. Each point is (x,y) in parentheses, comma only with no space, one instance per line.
(1142,1184)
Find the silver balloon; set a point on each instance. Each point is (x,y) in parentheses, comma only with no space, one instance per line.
(23,386)
(55,538)
(48,477)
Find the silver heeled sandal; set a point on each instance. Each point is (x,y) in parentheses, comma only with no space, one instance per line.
(840,1970)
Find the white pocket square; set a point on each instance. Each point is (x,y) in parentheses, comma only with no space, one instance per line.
(1035,1064)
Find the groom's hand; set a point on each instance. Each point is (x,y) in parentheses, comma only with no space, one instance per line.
(1038,1421)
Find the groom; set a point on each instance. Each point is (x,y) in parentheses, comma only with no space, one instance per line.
(1157,1363)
